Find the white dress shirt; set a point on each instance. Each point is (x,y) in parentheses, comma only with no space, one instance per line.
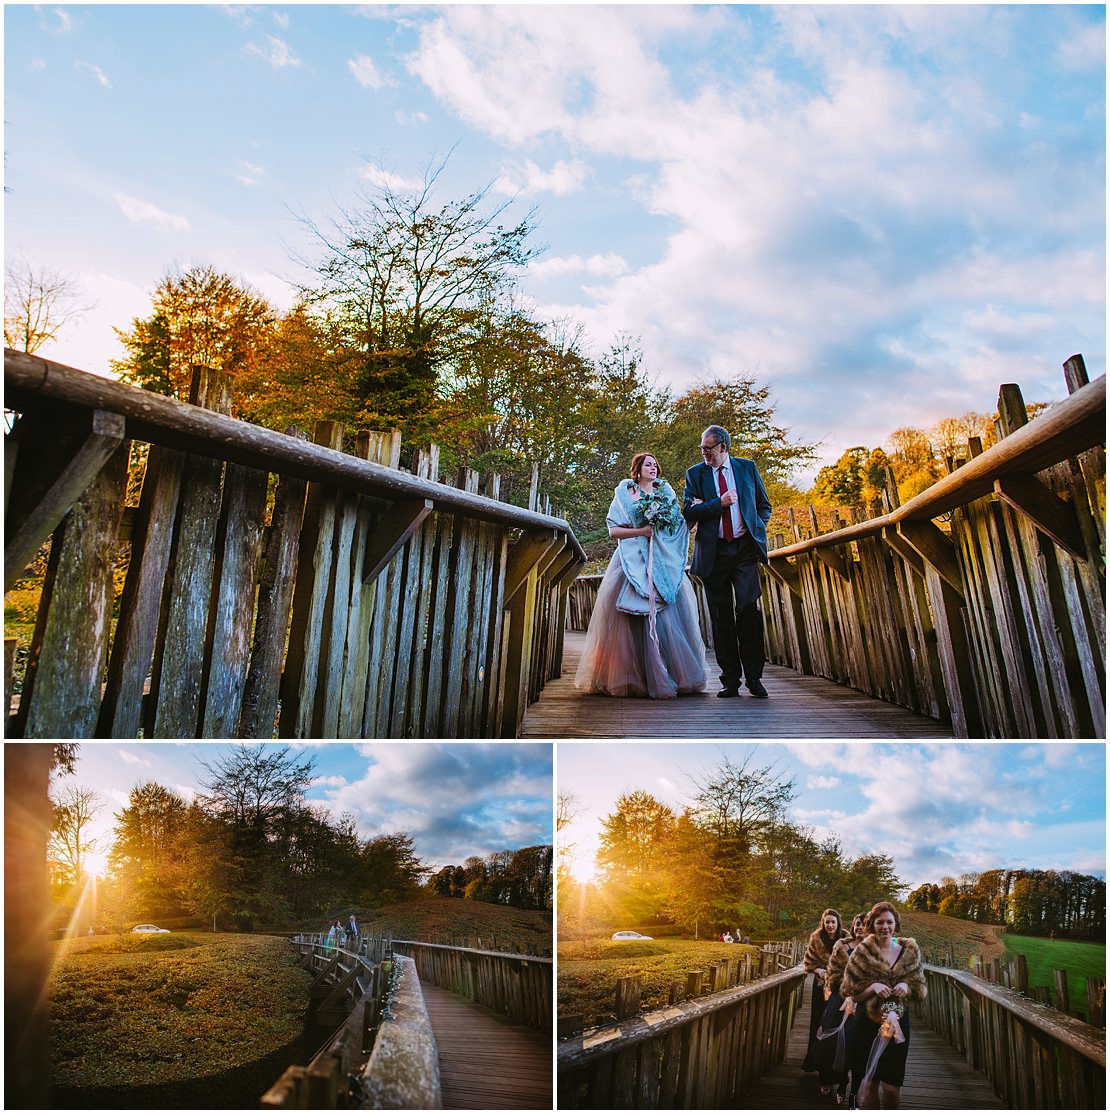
(734,510)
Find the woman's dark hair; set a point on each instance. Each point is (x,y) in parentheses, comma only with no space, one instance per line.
(858,919)
(883,907)
(638,464)
(839,921)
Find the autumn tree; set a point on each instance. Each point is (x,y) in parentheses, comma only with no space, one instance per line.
(148,852)
(398,266)
(39,302)
(856,479)
(914,463)
(389,869)
(201,316)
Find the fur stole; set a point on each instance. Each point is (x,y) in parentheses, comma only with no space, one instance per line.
(817,954)
(834,971)
(867,966)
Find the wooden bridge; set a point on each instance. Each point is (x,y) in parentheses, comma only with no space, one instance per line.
(974,1045)
(424,1026)
(372,602)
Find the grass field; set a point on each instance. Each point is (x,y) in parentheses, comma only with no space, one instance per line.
(436,919)
(1077,958)
(588,971)
(174,1020)
(934,932)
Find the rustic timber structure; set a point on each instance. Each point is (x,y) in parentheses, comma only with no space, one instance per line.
(372,603)
(980,603)
(742,1047)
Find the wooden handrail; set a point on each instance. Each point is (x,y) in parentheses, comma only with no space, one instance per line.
(1069,428)
(480,951)
(180,425)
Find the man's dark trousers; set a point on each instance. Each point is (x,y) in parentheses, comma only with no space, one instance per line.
(737,633)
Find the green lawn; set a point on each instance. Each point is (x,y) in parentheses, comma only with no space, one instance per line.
(1077,958)
(588,971)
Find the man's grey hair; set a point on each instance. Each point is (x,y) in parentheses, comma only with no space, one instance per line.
(720,434)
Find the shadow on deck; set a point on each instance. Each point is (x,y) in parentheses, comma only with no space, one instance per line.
(937,1077)
(486,1060)
(799,707)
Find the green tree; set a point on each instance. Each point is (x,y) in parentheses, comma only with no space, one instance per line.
(147,855)
(856,479)
(389,869)
(632,853)
(914,463)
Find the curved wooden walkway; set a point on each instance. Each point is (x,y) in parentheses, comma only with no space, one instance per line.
(937,1077)
(799,707)
(486,1060)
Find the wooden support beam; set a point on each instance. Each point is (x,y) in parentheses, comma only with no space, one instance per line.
(784,571)
(1050,514)
(904,550)
(391,532)
(935,548)
(834,559)
(60,458)
(524,554)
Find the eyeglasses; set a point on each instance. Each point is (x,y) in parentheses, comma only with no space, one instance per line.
(707,449)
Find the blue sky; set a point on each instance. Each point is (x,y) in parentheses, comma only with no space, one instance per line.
(937,809)
(882,212)
(454,799)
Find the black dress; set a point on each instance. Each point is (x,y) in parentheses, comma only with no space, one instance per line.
(892,1063)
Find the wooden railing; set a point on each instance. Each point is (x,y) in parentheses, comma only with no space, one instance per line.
(993,621)
(1035,1056)
(700,1054)
(382,603)
(347,995)
(519,986)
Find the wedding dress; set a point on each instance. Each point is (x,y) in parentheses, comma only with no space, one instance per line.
(635,647)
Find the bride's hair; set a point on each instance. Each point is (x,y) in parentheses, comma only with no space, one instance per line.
(638,464)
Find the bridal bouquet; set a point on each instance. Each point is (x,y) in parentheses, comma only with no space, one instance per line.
(658,510)
(891,1011)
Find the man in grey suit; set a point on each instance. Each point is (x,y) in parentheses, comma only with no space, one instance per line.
(727,501)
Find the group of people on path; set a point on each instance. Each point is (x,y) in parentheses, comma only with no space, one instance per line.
(644,638)
(728,937)
(859,1030)
(340,935)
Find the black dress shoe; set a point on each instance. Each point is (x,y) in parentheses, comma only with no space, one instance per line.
(756,689)
(726,693)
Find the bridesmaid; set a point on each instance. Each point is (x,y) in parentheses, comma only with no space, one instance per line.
(816,960)
(884,973)
(834,1037)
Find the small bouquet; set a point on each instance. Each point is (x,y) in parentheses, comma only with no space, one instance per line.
(659,511)
(891,1010)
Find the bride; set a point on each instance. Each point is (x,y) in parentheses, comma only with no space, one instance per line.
(644,638)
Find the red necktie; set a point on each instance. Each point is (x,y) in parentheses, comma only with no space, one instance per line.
(726,515)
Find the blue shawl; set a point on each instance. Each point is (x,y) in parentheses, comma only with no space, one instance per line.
(668,556)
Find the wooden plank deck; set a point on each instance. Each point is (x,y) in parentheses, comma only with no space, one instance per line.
(799,708)
(486,1060)
(937,1077)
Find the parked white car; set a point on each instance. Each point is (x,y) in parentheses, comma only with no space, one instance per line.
(148,928)
(630,936)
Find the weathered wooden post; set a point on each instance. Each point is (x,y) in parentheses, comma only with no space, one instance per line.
(628,997)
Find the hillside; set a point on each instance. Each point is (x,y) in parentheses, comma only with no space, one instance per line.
(452,920)
(933,932)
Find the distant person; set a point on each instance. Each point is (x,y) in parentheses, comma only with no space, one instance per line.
(822,940)
(882,975)
(747,939)
(352,934)
(833,1054)
(727,938)
(331,940)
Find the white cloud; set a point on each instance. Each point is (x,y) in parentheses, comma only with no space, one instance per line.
(275,51)
(36,65)
(822,782)
(385,179)
(1085,48)
(334,781)
(145,212)
(367,73)
(247,173)
(608,265)
(281,19)
(407,118)
(96,71)
(527,178)
(63,21)
(130,758)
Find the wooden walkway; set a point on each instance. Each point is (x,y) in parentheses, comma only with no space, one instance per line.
(486,1060)
(937,1077)
(799,707)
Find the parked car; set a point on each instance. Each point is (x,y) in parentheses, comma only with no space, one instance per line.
(630,936)
(148,928)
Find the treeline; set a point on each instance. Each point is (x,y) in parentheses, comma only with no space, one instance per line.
(521,878)
(730,859)
(249,852)
(1029,902)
